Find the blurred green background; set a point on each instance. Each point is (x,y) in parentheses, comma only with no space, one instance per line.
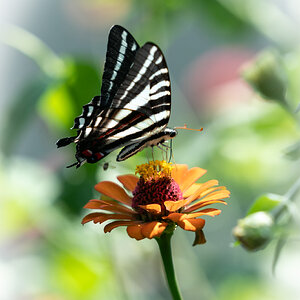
(51,61)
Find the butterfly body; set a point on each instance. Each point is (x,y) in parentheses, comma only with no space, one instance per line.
(134,107)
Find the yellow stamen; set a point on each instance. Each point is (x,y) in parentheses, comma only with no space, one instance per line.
(154,169)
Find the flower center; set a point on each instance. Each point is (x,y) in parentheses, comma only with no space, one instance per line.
(155,185)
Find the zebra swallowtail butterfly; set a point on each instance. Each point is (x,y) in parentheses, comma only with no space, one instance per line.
(134,107)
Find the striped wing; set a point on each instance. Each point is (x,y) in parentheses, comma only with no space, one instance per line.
(140,108)
(121,51)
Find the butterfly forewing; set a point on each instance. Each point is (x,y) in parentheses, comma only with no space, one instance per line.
(146,88)
(141,105)
(121,50)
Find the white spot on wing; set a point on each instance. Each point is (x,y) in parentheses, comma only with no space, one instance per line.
(159,95)
(81,122)
(110,85)
(114,75)
(124,36)
(133,47)
(160,116)
(157,86)
(89,113)
(111,123)
(142,71)
(98,121)
(120,58)
(144,124)
(126,132)
(123,113)
(159,60)
(87,131)
(140,100)
(159,72)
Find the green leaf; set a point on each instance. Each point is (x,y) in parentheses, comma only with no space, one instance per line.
(63,101)
(56,106)
(265,202)
(236,244)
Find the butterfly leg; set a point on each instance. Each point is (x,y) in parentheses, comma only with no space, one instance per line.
(164,150)
(152,150)
(171,151)
(166,146)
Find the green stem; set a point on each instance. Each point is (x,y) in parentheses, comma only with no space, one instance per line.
(164,243)
(293,190)
(288,200)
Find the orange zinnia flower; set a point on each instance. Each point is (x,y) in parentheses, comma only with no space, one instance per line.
(162,197)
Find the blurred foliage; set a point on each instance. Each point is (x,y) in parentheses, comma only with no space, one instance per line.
(268,77)
(157,13)
(21,110)
(64,99)
(265,203)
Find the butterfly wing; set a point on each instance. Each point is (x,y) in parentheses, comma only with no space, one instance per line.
(121,50)
(140,108)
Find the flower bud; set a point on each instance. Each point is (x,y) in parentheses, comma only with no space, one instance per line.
(254,231)
(267,76)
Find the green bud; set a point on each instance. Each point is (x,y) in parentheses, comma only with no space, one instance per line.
(254,231)
(267,76)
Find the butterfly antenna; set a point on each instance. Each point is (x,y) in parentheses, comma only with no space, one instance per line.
(186,128)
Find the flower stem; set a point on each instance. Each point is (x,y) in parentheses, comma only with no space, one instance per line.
(164,243)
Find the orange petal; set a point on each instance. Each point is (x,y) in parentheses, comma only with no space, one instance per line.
(199,238)
(210,198)
(129,181)
(184,222)
(202,203)
(191,177)
(201,189)
(217,188)
(174,205)
(217,195)
(89,218)
(152,208)
(175,217)
(135,232)
(102,217)
(191,224)
(208,212)
(115,207)
(191,190)
(109,227)
(153,229)
(179,172)
(114,191)
(97,204)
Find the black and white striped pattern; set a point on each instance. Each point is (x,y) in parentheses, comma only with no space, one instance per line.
(134,107)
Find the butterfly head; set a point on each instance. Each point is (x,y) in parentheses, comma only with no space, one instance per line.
(170,133)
